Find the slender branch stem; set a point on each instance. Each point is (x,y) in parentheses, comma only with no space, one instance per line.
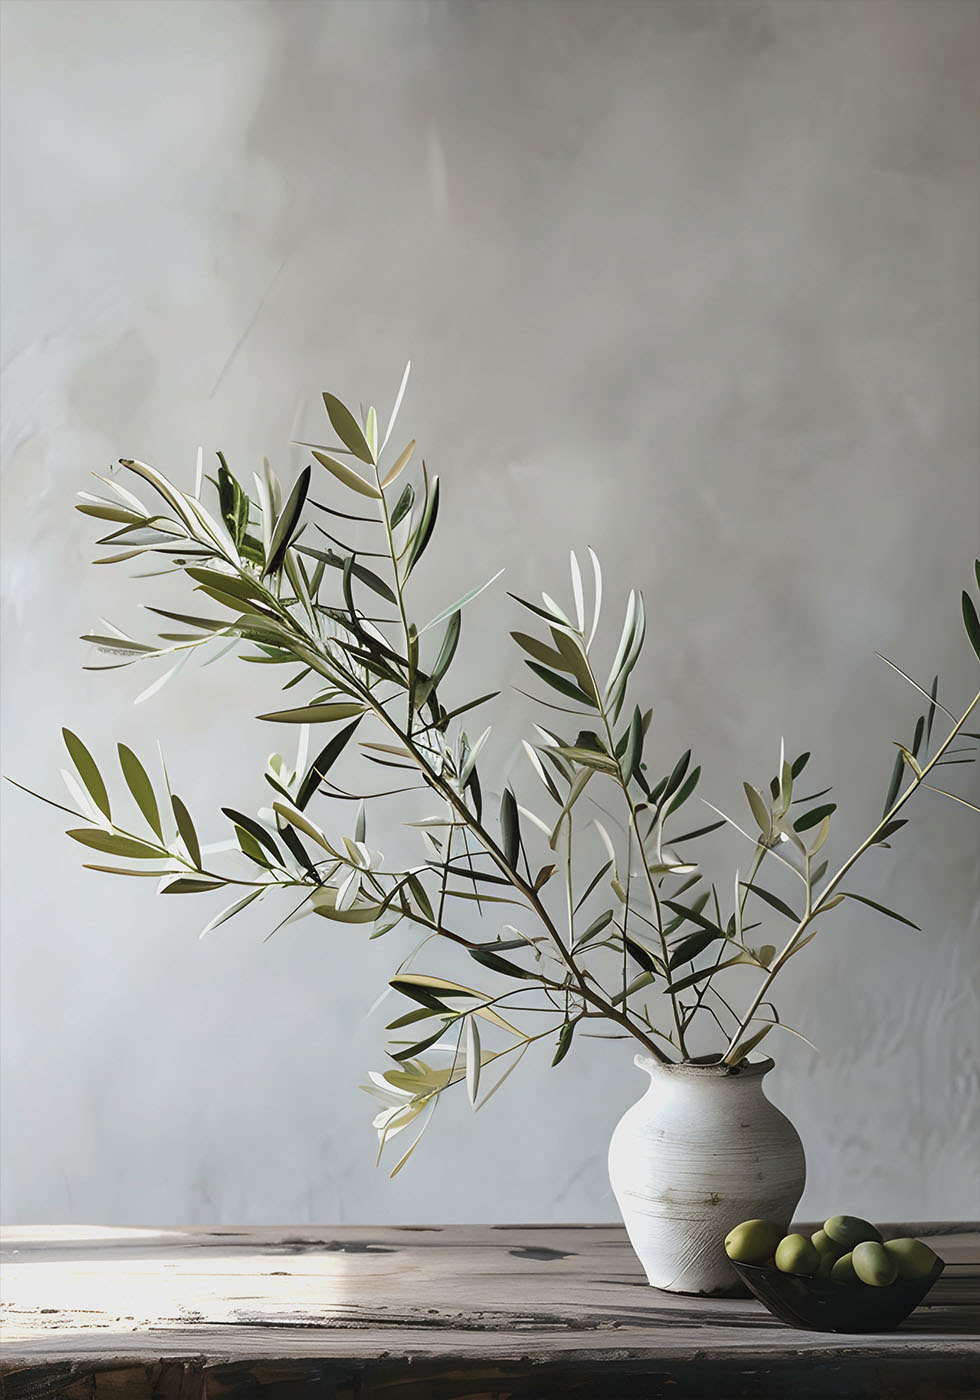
(814,909)
(623,783)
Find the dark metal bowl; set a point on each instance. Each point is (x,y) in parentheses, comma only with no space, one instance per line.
(816,1306)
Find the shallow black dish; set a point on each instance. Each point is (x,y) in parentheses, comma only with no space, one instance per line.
(834,1307)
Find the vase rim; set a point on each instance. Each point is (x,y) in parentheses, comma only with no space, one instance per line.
(747,1069)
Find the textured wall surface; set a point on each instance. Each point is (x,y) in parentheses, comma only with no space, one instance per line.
(695,283)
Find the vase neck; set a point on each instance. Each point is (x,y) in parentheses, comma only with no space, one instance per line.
(703,1073)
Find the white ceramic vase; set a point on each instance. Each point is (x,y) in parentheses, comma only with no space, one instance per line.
(701,1151)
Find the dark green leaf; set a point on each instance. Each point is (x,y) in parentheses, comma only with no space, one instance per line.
(256,830)
(232,584)
(971,622)
(316,714)
(403,505)
(420,897)
(499,964)
(188,885)
(634,745)
(338,561)
(426,526)
(700,831)
(186,828)
(510,830)
(676,777)
(289,517)
(87,771)
(891,827)
(881,908)
(773,900)
(138,782)
(799,764)
(690,947)
(323,762)
(920,727)
(113,844)
(640,955)
(564,1042)
(932,709)
(690,783)
(895,783)
(596,926)
(420,1045)
(448,649)
(814,817)
(695,915)
(347,428)
(540,651)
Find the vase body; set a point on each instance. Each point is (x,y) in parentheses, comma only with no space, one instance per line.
(700,1152)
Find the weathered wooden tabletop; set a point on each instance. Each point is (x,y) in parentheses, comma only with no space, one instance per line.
(429,1313)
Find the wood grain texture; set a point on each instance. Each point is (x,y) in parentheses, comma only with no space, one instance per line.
(437,1313)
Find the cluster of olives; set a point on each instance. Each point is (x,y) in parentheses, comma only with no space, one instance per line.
(846,1250)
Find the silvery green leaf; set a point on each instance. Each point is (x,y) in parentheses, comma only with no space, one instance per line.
(555,611)
(578,592)
(472,1059)
(174,498)
(347,475)
(229,911)
(460,603)
(309,828)
(323,901)
(399,465)
(760,810)
(80,797)
(541,771)
(822,834)
(398,403)
(371,431)
(473,755)
(346,427)
(625,642)
(597,575)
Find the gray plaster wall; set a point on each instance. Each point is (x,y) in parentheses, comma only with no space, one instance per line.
(695,283)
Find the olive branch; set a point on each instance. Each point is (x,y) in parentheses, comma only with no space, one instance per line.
(585,942)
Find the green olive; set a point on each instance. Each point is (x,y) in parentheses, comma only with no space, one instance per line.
(912,1258)
(753,1241)
(825,1246)
(849,1230)
(873,1264)
(796,1255)
(843,1270)
(825,1271)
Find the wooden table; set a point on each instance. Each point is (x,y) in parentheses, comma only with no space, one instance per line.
(429,1313)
